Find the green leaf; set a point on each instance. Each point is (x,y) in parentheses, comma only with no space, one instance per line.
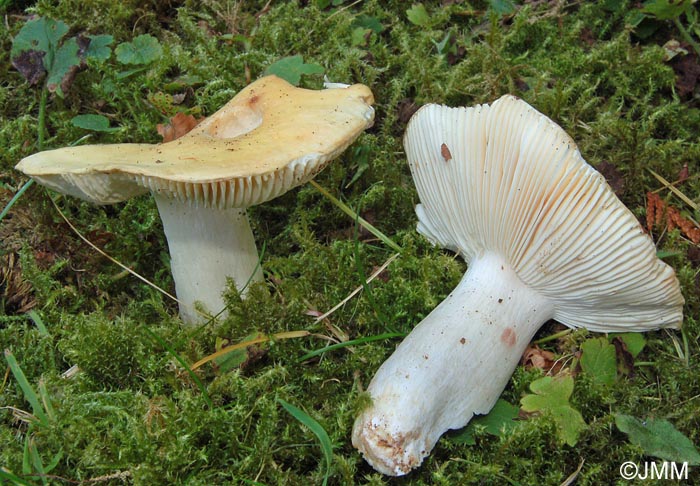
(65,60)
(316,428)
(29,394)
(502,7)
(418,15)
(500,419)
(39,35)
(369,22)
(666,9)
(635,341)
(96,123)
(598,360)
(144,49)
(35,51)
(551,396)
(99,47)
(658,438)
(443,47)
(292,68)
(359,36)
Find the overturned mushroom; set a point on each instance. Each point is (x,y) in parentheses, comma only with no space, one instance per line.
(544,238)
(268,139)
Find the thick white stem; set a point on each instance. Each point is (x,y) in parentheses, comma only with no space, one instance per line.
(207,245)
(453,365)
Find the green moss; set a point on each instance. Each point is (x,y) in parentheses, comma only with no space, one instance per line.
(132,409)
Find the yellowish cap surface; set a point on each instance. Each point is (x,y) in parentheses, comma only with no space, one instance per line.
(269,138)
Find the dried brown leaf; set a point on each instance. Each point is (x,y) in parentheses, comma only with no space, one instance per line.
(536,357)
(179,125)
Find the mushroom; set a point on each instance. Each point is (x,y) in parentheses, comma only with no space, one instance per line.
(544,237)
(268,139)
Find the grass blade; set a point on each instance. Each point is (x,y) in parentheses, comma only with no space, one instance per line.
(36,460)
(15,198)
(36,319)
(352,342)
(29,393)
(260,339)
(46,399)
(182,362)
(675,190)
(356,217)
(365,282)
(12,478)
(316,428)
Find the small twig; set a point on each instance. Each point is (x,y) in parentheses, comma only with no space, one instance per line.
(359,288)
(113,260)
(572,477)
(123,475)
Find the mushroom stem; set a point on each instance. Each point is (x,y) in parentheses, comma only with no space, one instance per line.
(453,365)
(207,246)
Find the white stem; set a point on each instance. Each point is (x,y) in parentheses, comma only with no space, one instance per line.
(207,245)
(453,365)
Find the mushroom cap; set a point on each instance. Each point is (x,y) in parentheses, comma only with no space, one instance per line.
(269,138)
(505,178)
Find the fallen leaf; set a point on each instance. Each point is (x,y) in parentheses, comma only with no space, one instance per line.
(536,357)
(179,125)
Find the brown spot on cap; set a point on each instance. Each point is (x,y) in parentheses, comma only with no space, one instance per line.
(462,341)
